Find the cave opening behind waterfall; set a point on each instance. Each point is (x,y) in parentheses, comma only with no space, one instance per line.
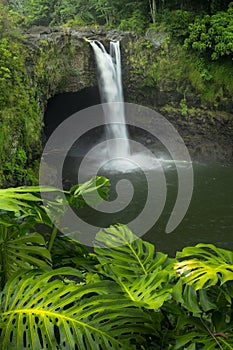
(62,106)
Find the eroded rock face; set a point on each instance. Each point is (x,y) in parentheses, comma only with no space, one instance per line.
(66,61)
(60,60)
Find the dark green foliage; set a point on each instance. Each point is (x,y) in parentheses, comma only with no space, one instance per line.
(178,22)
(19,117)
(84,12)
(213,34)
(136,22)
(125,295)
(21,95)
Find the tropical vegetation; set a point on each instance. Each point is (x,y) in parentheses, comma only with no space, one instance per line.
(56,294)
(196,56)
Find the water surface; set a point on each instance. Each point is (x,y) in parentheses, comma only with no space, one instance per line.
(209,218)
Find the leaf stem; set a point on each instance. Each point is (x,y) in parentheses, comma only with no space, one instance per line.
(2,258)
(52,238)
(211,333)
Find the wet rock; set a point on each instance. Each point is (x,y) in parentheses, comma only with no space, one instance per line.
(157,38)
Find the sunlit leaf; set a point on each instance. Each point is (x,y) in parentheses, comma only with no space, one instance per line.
(205,265)
(133,264)
(41,311)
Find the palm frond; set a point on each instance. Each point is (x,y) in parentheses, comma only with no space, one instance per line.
(19,198)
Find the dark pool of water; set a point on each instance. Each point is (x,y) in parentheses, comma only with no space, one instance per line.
(209,218)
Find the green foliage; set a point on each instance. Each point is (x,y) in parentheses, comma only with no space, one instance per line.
(19,117)
(212,34)
(205,265)
(39,12)
(91,192)
(134,23)
(21,251)
(21,209)
(205,291)
(177,22)
(68,314)
(184,107)
(175,69)
(124,295)
(123,252)
(62,313)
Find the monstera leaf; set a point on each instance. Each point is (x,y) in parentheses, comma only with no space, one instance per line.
(20,209)
(19,199)
(26,200)
(151,289)
(118,246)
(205,265)
(21,252)
(203,341)
(40,311)
(133,264)
(200,335)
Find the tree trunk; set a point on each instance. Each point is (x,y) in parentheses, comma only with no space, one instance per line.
(153,9)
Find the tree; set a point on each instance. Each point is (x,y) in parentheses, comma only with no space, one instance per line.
(153,10)
(212,34)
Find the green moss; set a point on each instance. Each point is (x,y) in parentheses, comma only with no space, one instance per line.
(172,68)
(19,117)
(23,95)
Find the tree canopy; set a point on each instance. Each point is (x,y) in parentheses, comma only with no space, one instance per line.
(45,12)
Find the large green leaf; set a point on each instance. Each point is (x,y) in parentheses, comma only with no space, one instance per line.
(205,265)
(19,198)
(39,311)
(27,199)
(133,264)
(118,246)
(91,192)
(202,337)
(21,252)
(151,289)
(192,300)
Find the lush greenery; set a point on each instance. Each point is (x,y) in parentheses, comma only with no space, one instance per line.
(55,294)
(195,58)
(213,34)
(21,94)
(112,13)
(19,114)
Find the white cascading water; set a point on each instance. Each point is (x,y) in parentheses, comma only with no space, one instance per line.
(110,86)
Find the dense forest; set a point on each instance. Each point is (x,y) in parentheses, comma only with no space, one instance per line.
(137,14)
(55,293)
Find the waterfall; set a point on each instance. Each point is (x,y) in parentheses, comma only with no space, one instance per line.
(110,86)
